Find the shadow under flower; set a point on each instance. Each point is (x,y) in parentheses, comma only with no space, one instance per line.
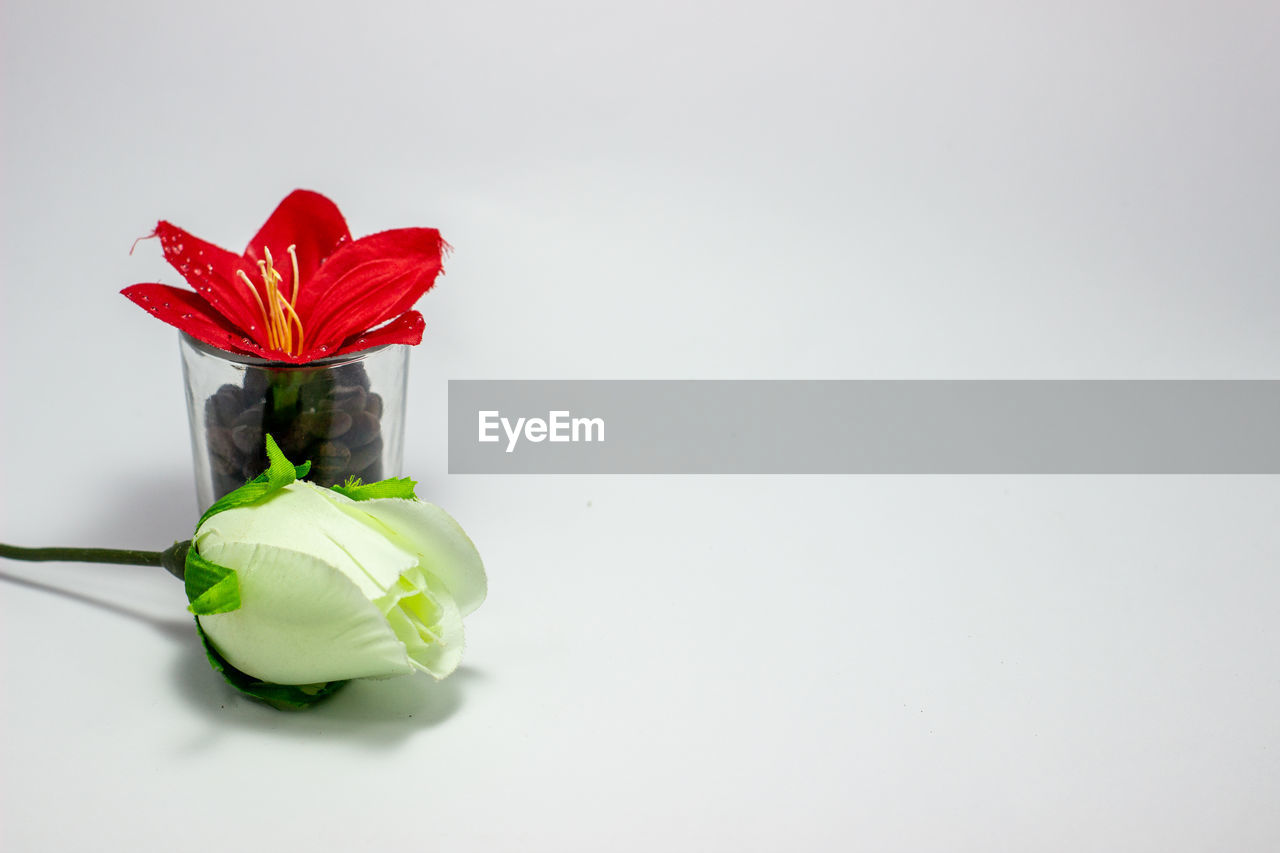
(371,712)
(376,713)
(176,629)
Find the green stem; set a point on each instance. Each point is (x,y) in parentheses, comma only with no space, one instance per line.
(173,558)
(285,385)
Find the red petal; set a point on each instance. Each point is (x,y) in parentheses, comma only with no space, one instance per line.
(405,329)
(212,272)
(366,283)
(309,222)
(192,314)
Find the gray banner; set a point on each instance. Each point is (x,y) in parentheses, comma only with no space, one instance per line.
(863,427)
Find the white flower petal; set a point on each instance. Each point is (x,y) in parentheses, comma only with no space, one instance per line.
(426,530)
(305,518)
(301,621)
(428,622)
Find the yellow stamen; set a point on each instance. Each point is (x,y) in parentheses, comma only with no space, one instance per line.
(269,316)
(294,300)
(282,322)
(278,314)
(271,279)
(293,315)
(293,254)
(285,329)
(271,299)
(271,338)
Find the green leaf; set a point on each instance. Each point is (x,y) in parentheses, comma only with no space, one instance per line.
(283,697)
(394,487)
(211,588)
(281,473)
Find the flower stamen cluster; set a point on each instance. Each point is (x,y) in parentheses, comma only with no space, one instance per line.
(279,327)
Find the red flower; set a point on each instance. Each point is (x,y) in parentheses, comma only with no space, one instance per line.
(302,290)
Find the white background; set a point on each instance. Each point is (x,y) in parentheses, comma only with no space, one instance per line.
(668,190)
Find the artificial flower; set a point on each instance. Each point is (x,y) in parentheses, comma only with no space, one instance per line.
(302,290)
(296,588)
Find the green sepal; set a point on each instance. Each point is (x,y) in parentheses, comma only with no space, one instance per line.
(210,588)
(283,697)
(393,487)
(279,474)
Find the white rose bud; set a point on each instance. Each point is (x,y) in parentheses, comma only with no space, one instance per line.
(322,588)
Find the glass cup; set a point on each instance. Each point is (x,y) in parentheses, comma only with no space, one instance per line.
(344,414)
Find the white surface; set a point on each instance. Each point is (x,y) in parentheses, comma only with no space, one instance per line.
(706,189)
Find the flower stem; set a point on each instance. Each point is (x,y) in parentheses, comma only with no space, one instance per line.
(285,385)
(173,559)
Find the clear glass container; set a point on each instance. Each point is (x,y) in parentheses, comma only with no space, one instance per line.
(343,414)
